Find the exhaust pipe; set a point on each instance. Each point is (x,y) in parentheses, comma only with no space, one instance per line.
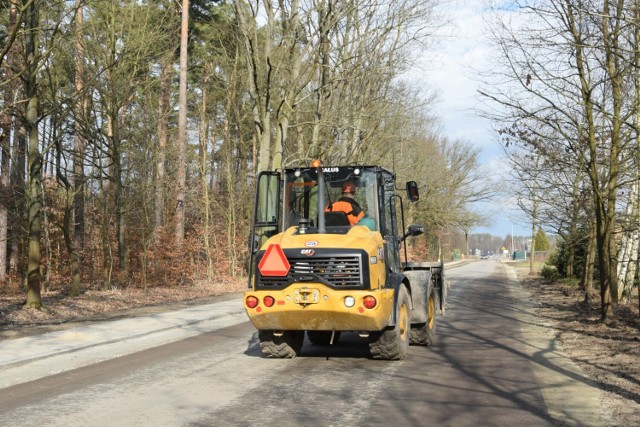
(321,190)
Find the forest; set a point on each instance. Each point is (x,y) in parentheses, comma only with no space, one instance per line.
(132,131)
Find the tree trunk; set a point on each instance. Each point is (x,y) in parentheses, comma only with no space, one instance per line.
(628,251)
(4,199)
(571,254)
(34,196)
(603,180)
(321,91)
(69,242)
(78,158)
(230,180)
(534,217)
(182,126)
(603,239)
(16,211)
(6,120)
(50,265)
(204,140)
(589,265)
(260,93)
(632,262)
(606,203)
(67,222)
(284,110)
(575,218)
(107,261)
(120,210)
(635,219)
(17,217)
(164,109)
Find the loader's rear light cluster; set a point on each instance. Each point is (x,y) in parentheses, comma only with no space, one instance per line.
(251,301)
(268,301)
(369,302)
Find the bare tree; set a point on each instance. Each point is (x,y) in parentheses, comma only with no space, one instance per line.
(327,69)
(575,52)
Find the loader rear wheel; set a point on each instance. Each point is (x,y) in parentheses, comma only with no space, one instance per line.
(323,337)
(425,333)
(287,345)
(393,343)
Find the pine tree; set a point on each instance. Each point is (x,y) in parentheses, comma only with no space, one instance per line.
(542,242)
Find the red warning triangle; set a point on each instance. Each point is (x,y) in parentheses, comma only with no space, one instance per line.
(274,262)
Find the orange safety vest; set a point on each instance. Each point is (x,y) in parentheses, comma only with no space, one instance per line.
(350,207)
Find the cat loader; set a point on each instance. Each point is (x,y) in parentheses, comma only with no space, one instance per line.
(314,272)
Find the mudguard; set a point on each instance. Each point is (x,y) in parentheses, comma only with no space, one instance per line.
(395,280)
(420,283)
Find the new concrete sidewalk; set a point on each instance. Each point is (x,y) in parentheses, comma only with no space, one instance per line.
(142,332)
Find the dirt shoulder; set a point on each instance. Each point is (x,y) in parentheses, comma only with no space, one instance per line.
(62,311)
(609,353)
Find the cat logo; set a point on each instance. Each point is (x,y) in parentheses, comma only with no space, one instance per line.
(307,252)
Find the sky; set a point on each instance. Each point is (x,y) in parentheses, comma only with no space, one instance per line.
(449,70)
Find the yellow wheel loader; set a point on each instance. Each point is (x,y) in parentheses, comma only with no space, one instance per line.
(313,271)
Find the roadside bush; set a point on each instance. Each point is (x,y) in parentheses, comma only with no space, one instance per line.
(560,257)
(550,273)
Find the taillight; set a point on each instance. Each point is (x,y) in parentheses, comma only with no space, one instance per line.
(369,302)
(268,301)
(251,301)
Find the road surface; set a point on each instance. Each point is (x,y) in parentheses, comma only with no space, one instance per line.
(493,364)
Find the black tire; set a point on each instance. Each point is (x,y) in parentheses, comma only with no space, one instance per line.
(393,342)
(425,333)
(323,337)
(288,345)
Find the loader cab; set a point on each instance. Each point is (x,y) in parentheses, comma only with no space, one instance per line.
(301,197)
(302,207)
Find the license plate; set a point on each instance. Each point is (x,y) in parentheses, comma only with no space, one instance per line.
(306,296)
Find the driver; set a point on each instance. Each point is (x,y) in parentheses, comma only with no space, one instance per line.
(348,204)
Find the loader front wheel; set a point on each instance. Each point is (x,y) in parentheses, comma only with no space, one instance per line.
(393,342)
(287,345)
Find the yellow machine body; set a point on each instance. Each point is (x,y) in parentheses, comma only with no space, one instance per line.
(313,305)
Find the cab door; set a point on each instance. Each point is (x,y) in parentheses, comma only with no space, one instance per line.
(266,214)
(389,226)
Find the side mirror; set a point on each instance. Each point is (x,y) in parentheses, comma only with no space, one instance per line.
(414,230)
(412,191)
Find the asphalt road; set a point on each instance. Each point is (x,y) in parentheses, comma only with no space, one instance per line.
(494,364)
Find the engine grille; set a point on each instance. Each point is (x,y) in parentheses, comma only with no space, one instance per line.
(339,271)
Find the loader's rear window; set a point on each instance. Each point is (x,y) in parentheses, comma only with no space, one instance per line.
(301,196)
